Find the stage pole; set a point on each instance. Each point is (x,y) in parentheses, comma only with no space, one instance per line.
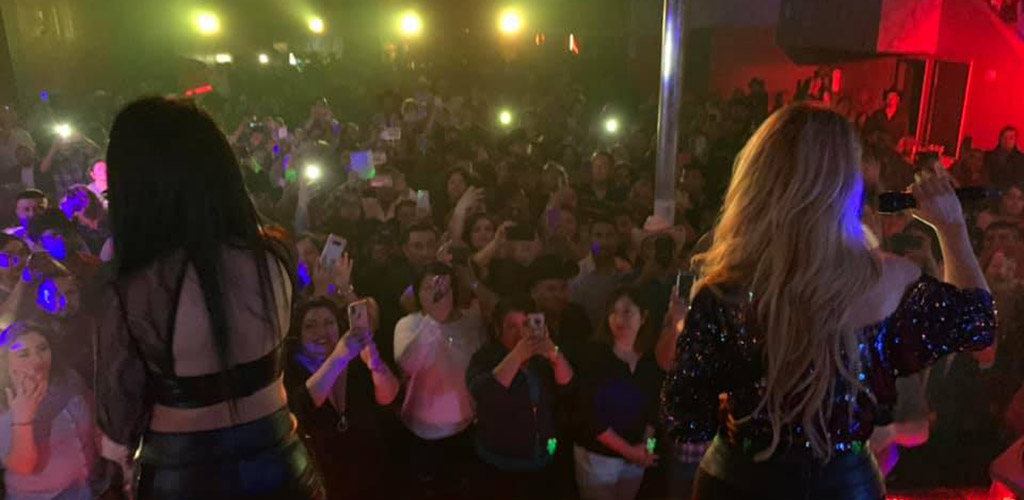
(668,110)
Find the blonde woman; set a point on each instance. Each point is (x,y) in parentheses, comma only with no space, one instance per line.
(802,328)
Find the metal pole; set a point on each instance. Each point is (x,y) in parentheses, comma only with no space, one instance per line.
(668,112)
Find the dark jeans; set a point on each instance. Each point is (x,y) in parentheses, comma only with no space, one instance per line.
(439,468)
(260,460)
(726,473)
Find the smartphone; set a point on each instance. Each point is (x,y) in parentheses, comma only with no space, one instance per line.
(359,315)
(333,250)
(391,134)
(538,326)
(684,283)
(520,232)
(423,201)
(442,285)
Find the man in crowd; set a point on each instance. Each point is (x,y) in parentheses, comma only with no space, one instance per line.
(1005,163)
(890,124)
(52,232)
(393,290)
(591,290)
(599,195)
(12,137)
(570,327)
(28,205)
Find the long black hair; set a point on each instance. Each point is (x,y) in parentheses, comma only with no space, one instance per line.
(175,186)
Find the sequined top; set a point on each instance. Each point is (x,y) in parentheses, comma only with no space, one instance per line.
(719,353)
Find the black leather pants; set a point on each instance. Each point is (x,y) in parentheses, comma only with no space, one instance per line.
(728,474)
(259,460)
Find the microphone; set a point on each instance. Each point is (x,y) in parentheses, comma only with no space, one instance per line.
(893,202)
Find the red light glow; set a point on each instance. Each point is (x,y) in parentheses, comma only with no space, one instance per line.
(205,89)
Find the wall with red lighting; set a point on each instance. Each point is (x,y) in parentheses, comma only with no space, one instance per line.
(971,33)
(741,53)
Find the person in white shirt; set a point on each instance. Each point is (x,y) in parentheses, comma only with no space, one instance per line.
(433,348)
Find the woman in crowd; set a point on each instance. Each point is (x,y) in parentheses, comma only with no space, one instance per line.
(1010,208)
(517,379)
(618,403)
(433,347)
(191,343)
(338,401)
(783,305)
(480,231)
(48,435)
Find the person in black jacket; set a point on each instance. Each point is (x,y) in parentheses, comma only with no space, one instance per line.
(516,380)
(617,407)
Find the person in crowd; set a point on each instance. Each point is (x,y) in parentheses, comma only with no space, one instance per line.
(12,138)
(592,289)
(308,247)
(433,347)
(69,161)
(1005,163)
(201,379)
(86,210)
(457,181)
(28,204)
(617,409)
(480,231)
(970,169)
(470,204)
(1010,208)
(599,193)
(548,282)
(98,176)
(518,379)
(48,435)
(888,125)
(503,271)
(54,234)
(340,390)
(14,254)
(808,278)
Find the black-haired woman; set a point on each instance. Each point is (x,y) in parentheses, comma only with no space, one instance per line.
(340,391)
(191,345)
(618,403)
(48,424)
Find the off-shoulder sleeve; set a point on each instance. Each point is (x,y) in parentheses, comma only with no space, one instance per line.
(123,407)
(933,320)
(689,397)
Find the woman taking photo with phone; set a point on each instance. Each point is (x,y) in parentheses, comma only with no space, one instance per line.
(190,349)
(517,379)
(340,389)
(618,402)
(803,327)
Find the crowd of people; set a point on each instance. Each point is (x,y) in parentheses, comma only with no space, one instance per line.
(481,309)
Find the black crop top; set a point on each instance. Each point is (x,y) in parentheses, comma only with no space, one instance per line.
(134,352)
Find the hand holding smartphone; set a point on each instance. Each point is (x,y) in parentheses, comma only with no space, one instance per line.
(333,250)
(538,325)
(359,315)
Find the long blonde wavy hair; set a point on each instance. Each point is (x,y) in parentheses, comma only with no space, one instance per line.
(790,235)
